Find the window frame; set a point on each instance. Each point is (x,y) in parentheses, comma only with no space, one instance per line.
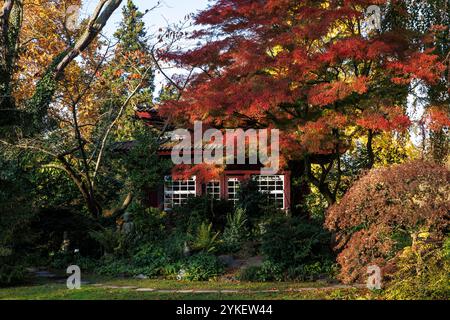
(273,195)
(213,188)
(236,186)
(183,189)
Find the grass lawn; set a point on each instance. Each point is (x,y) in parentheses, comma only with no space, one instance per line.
(111,289)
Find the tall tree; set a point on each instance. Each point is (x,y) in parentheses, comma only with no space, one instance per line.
(55,120)
(310,68)
(433,17)
(131,58)
(13,13)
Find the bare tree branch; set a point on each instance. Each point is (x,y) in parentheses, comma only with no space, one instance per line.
(28,147)
(113,123)
(100,17)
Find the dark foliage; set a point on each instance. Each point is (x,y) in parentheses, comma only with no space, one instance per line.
(294,241)
(51,224)
(199,210)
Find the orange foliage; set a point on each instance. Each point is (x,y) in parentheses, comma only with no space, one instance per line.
(203,172)
(437,119)
(42,37)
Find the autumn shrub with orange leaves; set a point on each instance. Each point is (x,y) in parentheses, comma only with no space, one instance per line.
(384,212)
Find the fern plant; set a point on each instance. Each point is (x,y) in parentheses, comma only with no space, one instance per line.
(235,231)
(206,239)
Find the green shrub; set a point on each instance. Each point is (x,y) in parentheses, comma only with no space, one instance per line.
(257,206)
(423,272)
(188,217)
(199,267)
(202,267)
(114,267)
(150,261)
(112,241)
(174,245)
(62,260)
(17,238)
(11,274)
(315,204)
(292,242)
(249,274)
(312,271)
(172,270)
(149,224)
(235,231)
(205,239)
(268,271)
(153,260)
(141,168)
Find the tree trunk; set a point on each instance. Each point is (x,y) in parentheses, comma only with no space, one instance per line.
(370,154)
(10,23)
(88,193)
(299,187)
(320,183)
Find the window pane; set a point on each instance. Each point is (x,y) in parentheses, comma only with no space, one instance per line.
(213,189)
(178,192)
(273,187)
(233,187)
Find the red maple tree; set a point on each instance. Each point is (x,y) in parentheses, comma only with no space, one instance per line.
(309,68)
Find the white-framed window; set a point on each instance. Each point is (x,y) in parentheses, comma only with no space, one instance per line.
(233,185)
(213,189)
(177,192)
(273,186)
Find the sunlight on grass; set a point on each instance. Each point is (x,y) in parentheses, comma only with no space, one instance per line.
(112,290)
